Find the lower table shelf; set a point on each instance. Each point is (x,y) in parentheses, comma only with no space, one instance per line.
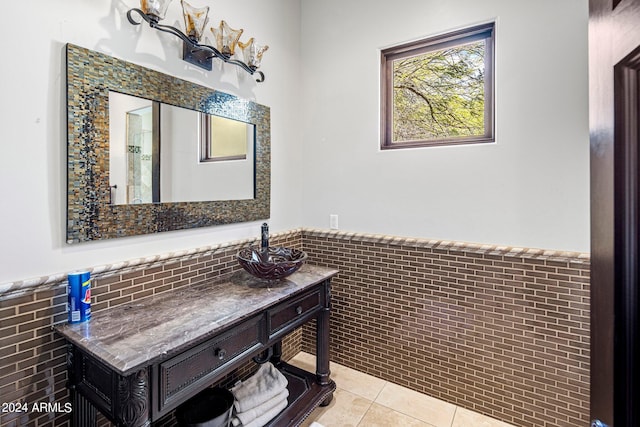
(305,394)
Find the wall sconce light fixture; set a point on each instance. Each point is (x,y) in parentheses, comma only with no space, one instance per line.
(195,21)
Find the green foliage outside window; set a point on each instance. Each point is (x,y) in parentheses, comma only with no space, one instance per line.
(439,90)
(440,94)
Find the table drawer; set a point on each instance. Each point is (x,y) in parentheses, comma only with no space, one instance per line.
(288,313)
(181,374)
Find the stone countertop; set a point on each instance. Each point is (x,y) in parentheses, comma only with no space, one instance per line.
(133,335)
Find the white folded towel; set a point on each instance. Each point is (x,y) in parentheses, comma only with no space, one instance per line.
(267,416)
(261,387)
(244,418)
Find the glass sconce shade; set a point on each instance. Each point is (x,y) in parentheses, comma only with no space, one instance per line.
(195,19)
(252,52)
(155,8)
(226,38)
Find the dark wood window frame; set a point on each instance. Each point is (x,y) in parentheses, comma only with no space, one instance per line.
(454,38)
(205,143)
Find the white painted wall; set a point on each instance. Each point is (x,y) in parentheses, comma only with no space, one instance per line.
(33,123)
(529,189)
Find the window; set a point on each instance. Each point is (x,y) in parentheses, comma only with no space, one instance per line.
(439,91)
(222,138)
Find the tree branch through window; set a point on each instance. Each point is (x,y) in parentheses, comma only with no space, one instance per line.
(439,90)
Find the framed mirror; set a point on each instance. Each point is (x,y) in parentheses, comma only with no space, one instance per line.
(148,152)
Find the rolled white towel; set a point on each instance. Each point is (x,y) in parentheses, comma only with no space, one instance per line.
(249,415)
(261,387)
(267,416)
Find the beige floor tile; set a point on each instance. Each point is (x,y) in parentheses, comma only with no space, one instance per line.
(417,405)
(393,405)
(381,416)
(357,382)
(304,361)
(345,410)
(466,418)
(347,379)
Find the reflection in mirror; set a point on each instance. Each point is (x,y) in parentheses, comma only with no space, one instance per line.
(163,153)
(141,186)
(132,143)
(184,178)
(224,139)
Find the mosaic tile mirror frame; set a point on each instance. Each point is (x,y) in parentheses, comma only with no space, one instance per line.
(90,214)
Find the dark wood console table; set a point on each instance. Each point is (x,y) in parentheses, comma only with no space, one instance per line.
(138,362)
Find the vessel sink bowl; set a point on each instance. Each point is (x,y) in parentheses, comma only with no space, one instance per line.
(273,263)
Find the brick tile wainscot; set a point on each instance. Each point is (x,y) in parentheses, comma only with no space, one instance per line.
(502,331)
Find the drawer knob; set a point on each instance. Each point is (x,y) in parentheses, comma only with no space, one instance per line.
(299,309)
(221,353)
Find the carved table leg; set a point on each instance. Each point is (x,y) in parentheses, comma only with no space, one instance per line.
(133,405)
(83,413)
(322,346)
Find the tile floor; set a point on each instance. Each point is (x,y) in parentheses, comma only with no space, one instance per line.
(365,401)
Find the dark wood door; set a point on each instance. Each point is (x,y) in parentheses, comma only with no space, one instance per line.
(614,92)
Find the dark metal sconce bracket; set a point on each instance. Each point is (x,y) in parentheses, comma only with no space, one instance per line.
(198,57)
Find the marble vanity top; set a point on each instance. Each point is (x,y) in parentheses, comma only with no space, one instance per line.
(137,334)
